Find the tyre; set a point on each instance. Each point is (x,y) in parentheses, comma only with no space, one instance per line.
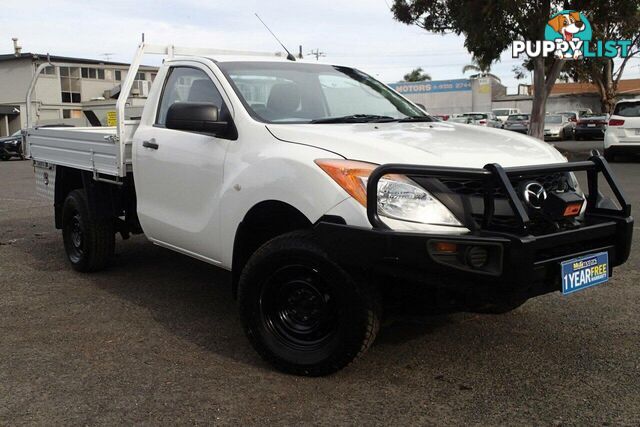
(301,311)
(88,241)
(609,156)
(4,157)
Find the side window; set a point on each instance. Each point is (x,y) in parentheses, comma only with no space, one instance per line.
(185,84)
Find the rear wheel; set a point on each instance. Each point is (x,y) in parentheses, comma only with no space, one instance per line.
(5,157)
(301,311)
(88,240)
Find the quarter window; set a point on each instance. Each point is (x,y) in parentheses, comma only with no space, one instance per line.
(186,84)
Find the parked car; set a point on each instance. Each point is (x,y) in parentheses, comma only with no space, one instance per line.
(11,146)
(518,123)
(557,126)
(485,119)
(573,116)
(590,126)
(623,130)
(441,117)
(503,113)
(330,190)
(463,120)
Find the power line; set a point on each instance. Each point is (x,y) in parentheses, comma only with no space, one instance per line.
(317,54)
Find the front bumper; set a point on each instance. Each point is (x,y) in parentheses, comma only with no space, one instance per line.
(521,265)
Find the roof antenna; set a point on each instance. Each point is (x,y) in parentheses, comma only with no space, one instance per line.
(290,57)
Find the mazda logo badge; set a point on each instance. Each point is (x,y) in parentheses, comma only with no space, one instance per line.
(534,195)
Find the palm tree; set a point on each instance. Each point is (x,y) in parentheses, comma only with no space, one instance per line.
(416,75)
(480,70)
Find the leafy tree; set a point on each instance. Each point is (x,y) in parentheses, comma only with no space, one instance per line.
(489,28)
(480,70)
(610,20)
(417,75)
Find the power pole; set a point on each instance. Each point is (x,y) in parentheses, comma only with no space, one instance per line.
(317,54)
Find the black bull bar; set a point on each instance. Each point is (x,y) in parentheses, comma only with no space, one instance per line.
(495,177)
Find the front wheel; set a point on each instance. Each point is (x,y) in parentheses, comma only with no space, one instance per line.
(88,239)
(4,157)
(609,156)
(301,311)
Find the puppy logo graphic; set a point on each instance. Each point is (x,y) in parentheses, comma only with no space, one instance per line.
(567,24)
(568,28)
(568,35)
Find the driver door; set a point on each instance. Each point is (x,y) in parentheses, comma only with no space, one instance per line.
(179,173)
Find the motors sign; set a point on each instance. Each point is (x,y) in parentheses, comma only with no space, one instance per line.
(407,88)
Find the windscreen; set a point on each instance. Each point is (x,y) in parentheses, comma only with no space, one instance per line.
(518,118)
(303,93)
(476,116)
(553,119)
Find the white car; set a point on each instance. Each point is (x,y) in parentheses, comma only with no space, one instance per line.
(486,119)
(319,187)
(622,135)
(503,113)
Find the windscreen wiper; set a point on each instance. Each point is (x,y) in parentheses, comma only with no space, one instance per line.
(355,118)
(416,119)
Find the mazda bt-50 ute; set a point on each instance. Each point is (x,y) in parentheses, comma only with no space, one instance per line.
(316,185)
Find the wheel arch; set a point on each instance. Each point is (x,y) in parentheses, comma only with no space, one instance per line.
(264,221)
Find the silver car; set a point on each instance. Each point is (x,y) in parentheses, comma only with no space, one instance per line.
(557,126)
(518,123)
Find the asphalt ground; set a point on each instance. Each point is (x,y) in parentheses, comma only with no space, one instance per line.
(156,340)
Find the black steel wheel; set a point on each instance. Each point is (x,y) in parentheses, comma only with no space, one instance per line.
(89,240)
(298,307)
(301,311)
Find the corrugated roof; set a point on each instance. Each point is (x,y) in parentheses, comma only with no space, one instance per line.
(629,86)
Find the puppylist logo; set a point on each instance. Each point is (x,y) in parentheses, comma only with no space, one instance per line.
(568,35)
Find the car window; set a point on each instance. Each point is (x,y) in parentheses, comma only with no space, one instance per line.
(627,109)
(517,117)
(293,93)
(186,84)
(553,119)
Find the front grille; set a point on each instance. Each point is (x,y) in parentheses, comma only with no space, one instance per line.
(474,190)
(474,187)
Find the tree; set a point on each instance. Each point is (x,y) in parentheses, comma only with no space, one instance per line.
(479,69)
(416,75)
(610,20)
(489,28)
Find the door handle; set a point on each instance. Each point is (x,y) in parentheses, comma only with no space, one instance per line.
(150,144)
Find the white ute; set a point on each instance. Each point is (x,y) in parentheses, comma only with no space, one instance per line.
(319,188)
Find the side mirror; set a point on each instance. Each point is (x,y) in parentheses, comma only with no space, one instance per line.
(195,117)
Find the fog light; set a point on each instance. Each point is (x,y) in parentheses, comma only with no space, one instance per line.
(477,257)
(446,247)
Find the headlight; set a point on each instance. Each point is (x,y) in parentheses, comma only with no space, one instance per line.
(398,196)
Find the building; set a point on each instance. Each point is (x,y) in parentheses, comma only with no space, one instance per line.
(569,97)
(80,91)
(486,94)
(453,96)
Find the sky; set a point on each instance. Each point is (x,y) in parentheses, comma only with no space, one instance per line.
(359,33)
